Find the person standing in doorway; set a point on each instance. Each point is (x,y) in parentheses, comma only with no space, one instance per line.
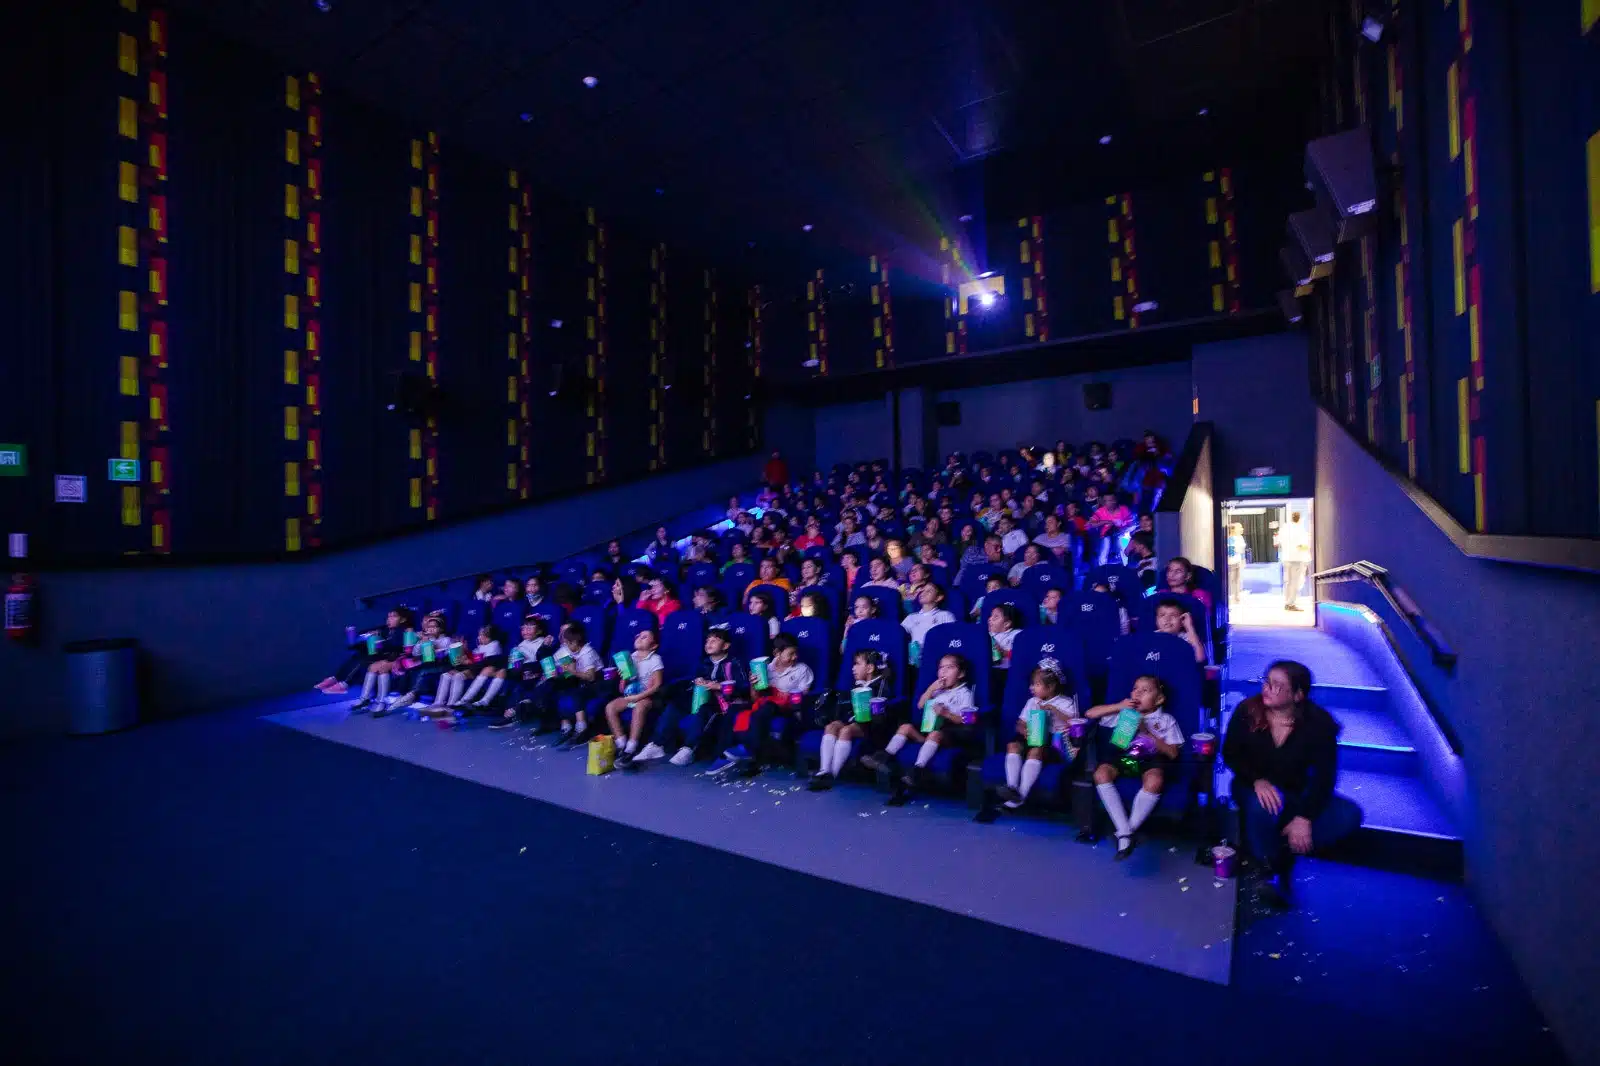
(1238,555)
(1294,551)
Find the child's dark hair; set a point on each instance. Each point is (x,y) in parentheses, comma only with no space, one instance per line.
(963,668)
(722,633)
(879,662)
(872,604)
(1163,689)
(540,626)
(764,598)
(404,614)
(783,642)
(1049,674)
(630,589)
(477,582)
(575,628)
(1009,612)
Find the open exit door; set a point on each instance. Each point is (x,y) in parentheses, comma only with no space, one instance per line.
(1270,562)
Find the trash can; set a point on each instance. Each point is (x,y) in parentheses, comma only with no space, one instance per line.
(102,685)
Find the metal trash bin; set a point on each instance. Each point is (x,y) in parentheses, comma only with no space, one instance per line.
(102,685)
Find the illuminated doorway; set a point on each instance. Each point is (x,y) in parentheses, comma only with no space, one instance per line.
(1270,561)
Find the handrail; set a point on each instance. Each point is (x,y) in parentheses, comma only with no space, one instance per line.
(366,601)
(1378,577)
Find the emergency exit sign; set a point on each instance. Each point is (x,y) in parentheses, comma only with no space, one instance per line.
(13,460)
(122,469)
(1273,485)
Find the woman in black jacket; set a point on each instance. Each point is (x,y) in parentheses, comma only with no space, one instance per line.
(1283,751)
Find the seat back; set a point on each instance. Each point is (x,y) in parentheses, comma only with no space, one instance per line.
(597,592)
(976,577)
(596,622)
(1037,580)
(735,579)
(966,639)
(779,595)
(815,637)
(1063,645)
(682,645)
(1095,617)
(1123,581)
(472,616)
(1167,657)
(624,627)
(700,575)
(880,635)
(888,601)
(1024,602)
(573,571)
(507,618)
(749,635)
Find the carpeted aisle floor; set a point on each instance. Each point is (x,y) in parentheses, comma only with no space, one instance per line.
(223,890)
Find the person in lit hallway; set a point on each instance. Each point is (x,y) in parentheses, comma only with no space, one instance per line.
(1238,556)
(1284,753)
(1294,550)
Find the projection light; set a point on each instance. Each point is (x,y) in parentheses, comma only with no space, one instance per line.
(555,323)
(966,218)
(1372,28)
(1106,139)
(986,298)
(806,228)
(590,81)
(809,364)
(1203,112)
(526,116)
(1145,307)
(324,6)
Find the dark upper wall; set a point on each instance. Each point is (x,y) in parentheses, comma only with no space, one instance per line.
(1518,702)
(1256,394)
(1199,246)
(252,425)
(216,635)
(1463,341)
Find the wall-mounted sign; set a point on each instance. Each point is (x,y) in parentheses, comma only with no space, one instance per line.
(13,460)
(122,469)
(1275,485)
(72,488)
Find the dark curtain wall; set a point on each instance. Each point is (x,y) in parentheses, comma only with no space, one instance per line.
(1075,272)
(224,268)
(1462,341)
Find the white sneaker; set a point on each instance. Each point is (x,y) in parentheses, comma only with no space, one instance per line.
(684,757)
(649,752)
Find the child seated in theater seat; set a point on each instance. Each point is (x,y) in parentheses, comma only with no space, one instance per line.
(919,575)
(1124,623)
(722,682)
(577,665)
(1024,761)
(381,663)
(511,590)
(977,611)
(1181,578)
(918,624)
(660,599)
(948,704)
(1004,622)
(641,697)
(861,608)
(423,673)
(762,606)
(873,675)
(745,732)
(523,672)
(1154,748)
(488,671)
(928,556)
(484,589)
(1175,621)
(1050,607)
(813,603)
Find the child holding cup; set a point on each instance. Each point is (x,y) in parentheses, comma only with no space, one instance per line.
(865,712)
(778,686)
(1140,727)
(1044,733)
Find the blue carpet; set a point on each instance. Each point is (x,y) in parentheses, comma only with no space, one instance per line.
(219,889)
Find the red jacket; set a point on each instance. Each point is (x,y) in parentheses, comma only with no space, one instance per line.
(776,471)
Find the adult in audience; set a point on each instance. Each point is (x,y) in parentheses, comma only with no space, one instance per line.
(1181,578)
(1294,550)
(1283,750)
(1053,538)
(776,472)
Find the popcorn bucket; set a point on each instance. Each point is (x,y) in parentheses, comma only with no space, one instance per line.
(372,644)
(861,705)
(548,665)
(760,674)
(456,654)
(411,638)
(427,651)
(1038,728)
(702,696)
(625,665)
(930,718)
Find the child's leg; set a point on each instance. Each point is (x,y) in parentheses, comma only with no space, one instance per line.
(1032,766)
(902,736)
(843,747)
(614,711)
(477,685)
(1014,752)
(830,740)
(385,672)
(667,732)
(640,725)
(930,747)
(1105,783)
(1149,794)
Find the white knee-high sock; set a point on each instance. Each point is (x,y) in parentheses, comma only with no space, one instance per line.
(1113,804)
(1030,774)
(383,686)
(367,684)
(475,688)
(930,748)
(825,757)
(1143,803)
(495,685)
(841,755)
(1013,769)
(457,685)
(896,742)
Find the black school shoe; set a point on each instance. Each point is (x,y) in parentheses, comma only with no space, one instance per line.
(821,781)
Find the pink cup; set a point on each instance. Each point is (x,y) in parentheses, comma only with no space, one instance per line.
(1078,728)
(1224,861)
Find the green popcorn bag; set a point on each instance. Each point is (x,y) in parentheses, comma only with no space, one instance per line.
(426,651)
(1127,728)
(1038,728)
(930,717)
(372,644)
(914,653)
(625,667)
(861,705)
(760,675)
(702,696)
(548,665)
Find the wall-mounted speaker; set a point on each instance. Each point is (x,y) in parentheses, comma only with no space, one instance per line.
(1289,304)
(1340,173)
(1312,232)
(1097,396)
(1296,267)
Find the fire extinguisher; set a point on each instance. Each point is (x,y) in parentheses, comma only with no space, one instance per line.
(20,608)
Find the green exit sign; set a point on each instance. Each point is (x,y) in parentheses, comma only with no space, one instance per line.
(1274,485)
(122,469)
(13,460)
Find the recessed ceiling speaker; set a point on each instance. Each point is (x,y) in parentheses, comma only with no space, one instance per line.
(1311,231)
(1340,173)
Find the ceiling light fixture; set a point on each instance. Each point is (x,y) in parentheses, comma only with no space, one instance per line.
(1204,111)
(1372,28)
(806,227)
(986,298)
(555,323)
(526,116)
(1106,139)
(324,6)
(966,218)
(590,81)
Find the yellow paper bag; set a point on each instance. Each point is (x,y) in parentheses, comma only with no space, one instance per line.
(602,754)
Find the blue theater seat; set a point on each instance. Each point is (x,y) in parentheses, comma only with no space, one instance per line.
(597,592)
(1055,642)
(735,579)
(507,617)
(971,642)
(748,634)
(779,594)
(700,576)
(1094,615)
(596,622)
(682,646)
(1037,580)
(877,634)
(625,625)
(1024,602)
(549,610)
(1171,659)
(888,600)
(1123,581)
(1146,613)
